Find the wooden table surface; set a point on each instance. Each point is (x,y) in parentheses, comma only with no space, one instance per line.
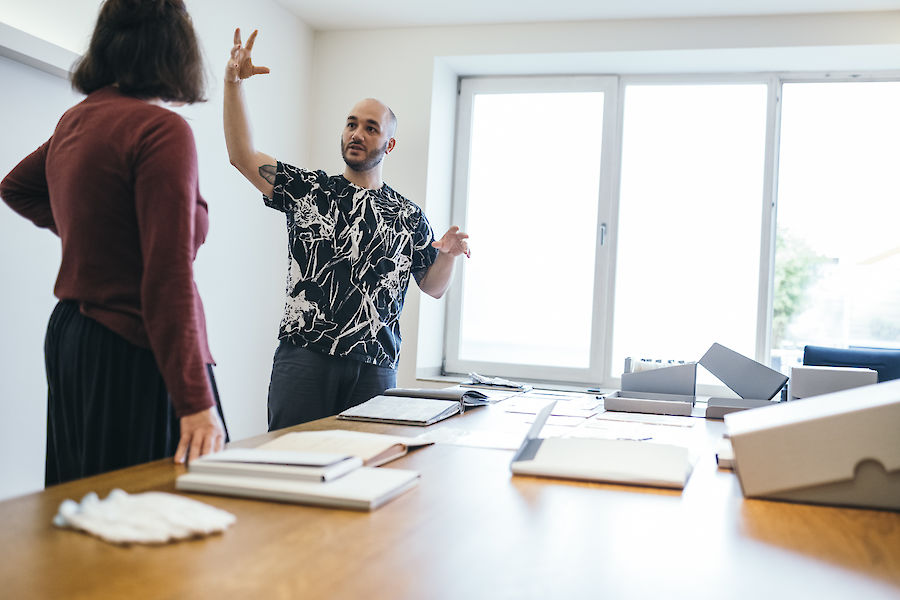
(468,530)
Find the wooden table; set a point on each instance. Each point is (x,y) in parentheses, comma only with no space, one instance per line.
(469,530)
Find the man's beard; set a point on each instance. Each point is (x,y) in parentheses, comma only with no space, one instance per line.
(371,159)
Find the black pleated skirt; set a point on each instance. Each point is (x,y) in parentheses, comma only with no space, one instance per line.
(107,404)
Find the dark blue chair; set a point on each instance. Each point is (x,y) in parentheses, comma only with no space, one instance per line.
(885,361)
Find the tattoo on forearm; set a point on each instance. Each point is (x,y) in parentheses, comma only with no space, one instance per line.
(267,172)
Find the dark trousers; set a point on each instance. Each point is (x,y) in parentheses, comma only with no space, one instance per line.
(107,404)
(307,385)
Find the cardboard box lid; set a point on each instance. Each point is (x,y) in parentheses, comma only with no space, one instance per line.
(812,380)
(816,441)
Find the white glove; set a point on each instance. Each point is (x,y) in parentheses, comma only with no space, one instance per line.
(147,518)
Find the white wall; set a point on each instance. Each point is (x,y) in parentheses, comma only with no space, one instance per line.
(410,63)
(240,270)
(29,258)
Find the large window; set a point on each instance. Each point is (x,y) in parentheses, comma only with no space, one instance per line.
(690,212)
(837,259)
(638,216)
(530,175)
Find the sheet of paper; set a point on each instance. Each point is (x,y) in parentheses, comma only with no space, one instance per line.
(525,405)
(500,440)
(558,395)
(582,406)
(626,430)
(671,420)
(553,423)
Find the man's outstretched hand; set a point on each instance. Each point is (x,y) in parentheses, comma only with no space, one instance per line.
(454,243)
(239,65)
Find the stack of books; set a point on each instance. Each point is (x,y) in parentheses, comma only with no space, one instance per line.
(325,468)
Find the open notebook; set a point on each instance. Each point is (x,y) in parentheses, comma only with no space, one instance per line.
(408,406)
(591,459)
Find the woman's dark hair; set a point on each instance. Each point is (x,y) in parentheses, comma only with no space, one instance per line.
(148,48)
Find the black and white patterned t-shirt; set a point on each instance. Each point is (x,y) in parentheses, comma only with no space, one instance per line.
(351,252)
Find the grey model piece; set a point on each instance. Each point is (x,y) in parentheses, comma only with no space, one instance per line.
(717,408)
(654,404)
(748,378)
(662,391)
(677,379)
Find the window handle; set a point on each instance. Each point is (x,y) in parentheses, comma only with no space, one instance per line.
(602,234)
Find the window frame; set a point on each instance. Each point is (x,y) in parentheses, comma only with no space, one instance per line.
(468,88)
(600,372)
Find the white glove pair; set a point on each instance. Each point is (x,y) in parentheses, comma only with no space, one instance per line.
(146,518)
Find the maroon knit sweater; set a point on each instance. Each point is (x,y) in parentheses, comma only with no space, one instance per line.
(117,183)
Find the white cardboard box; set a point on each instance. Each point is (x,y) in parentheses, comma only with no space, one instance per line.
(809,381)
(841,448)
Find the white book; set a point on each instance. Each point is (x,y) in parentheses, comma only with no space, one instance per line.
(614,461)
(366,488)
(593,459)
(284,464)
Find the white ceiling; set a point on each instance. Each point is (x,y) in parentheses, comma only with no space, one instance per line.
(371,14)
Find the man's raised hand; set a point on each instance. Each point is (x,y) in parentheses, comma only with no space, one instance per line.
(239,64)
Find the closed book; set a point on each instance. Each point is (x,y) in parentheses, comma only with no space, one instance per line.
(283,464)
(613,461)
(365,488)
(591,459)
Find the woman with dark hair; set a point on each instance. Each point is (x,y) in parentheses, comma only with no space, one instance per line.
(128,363)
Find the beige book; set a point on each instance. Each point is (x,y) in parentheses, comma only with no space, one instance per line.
(373,448)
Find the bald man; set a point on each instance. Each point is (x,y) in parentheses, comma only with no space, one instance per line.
(353,244)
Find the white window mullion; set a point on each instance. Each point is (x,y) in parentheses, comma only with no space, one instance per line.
(769,218)
(551,223)
(610,375)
